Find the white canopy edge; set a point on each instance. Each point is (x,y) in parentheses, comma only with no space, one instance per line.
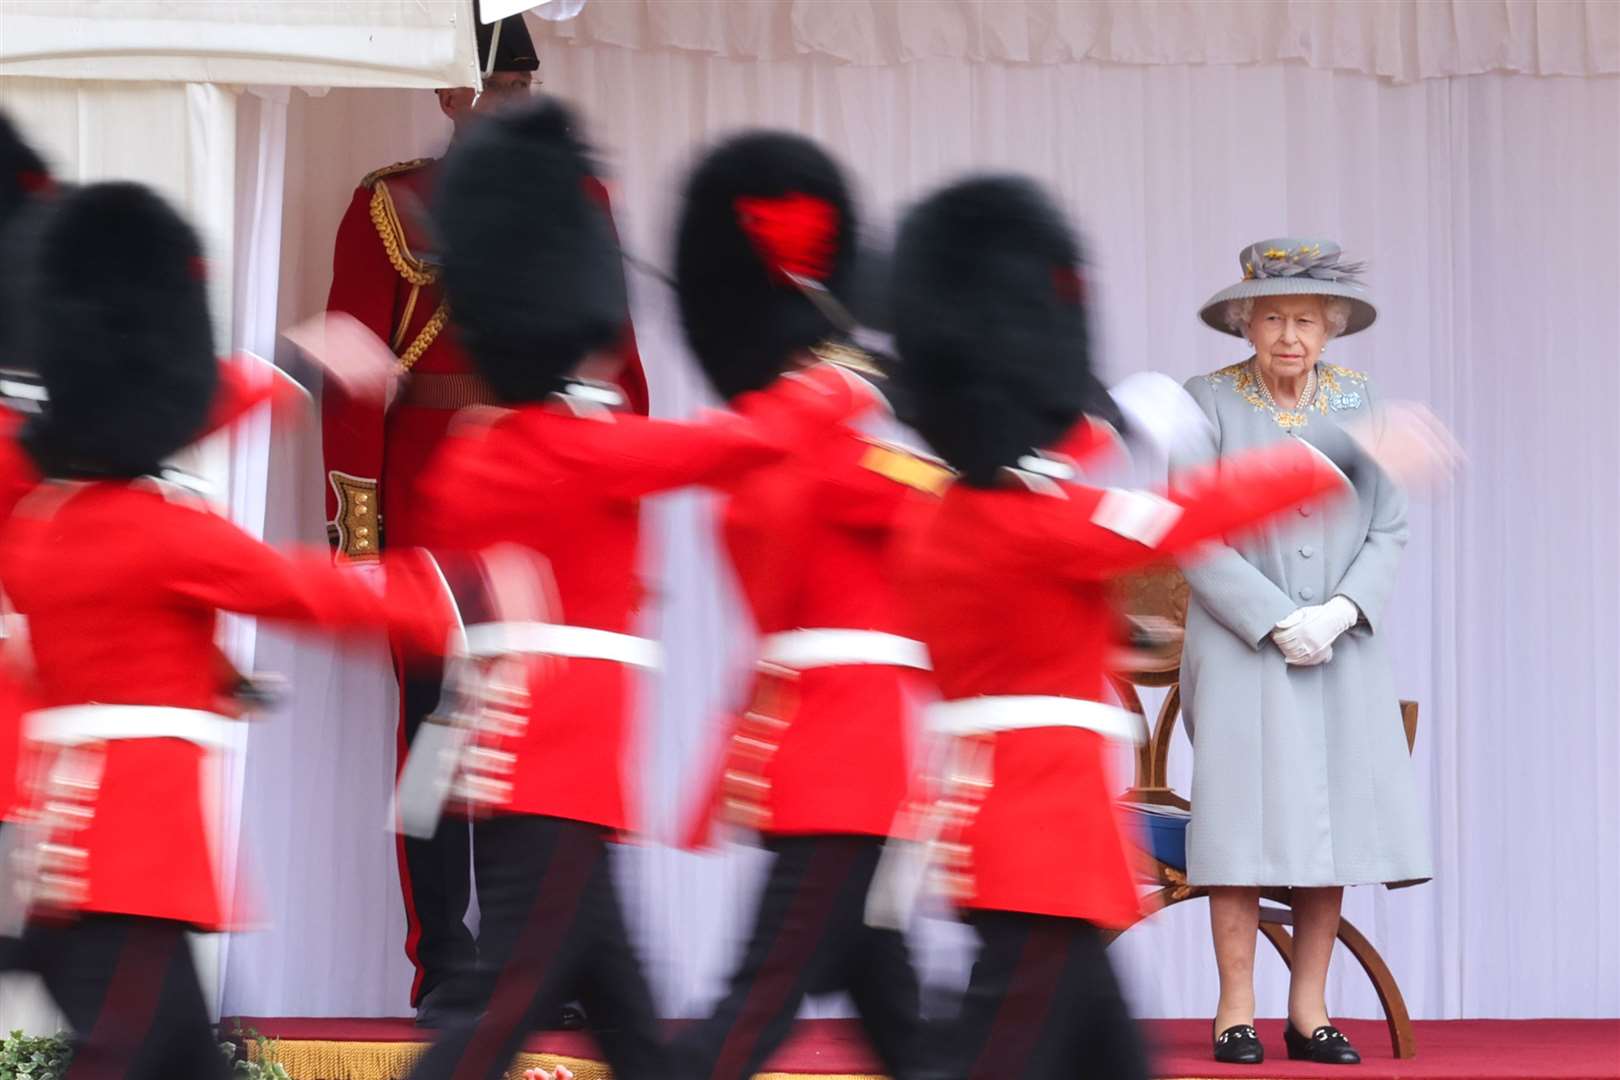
(375,43)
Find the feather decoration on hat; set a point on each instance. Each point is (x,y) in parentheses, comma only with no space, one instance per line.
(1305,261)
(795,234)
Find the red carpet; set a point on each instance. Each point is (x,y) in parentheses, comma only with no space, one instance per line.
(1460,1049)
(1455,1049)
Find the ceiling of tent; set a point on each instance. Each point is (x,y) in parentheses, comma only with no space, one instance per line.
(404,43)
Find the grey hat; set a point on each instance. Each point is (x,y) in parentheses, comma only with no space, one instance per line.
(1290,266)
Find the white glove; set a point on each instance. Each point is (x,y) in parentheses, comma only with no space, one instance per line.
(1310,631)
(1315,658)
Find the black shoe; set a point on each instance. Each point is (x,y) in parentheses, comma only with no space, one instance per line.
(445,1006)
(1326,1046)
(1239,1045)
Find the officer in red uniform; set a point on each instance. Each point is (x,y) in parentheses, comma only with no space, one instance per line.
(119,572)
(384,273)
(818,764)
(535,279)
(1008,584)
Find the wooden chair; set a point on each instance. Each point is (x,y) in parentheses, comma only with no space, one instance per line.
(1159,597)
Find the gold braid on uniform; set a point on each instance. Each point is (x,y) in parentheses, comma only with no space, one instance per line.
(385,217)
(847,356)
(425,336)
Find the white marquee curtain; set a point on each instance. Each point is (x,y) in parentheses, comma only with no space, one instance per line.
(357,43)
(1400,40)
(1489,206)
(182,139)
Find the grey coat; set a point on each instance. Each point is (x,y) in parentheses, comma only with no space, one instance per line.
(1301,775)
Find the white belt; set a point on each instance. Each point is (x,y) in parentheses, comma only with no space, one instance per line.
(559,639)
(800,649)
(1015,712)
(898,881)
(71,725)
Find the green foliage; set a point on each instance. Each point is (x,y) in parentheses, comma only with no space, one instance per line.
(46,1057)
(29,1057)
(266,1067)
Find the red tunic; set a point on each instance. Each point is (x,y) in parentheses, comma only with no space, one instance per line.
(569,486)
(1009,588)
(373,458)
(244,384)
(121,584)
(812,541)
(17,478)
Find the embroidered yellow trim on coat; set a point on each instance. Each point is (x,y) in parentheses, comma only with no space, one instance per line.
(1332,393)
(904,467)
(385,217)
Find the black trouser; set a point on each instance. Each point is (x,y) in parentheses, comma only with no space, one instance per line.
(435,874)
(12,957)
(552,928)
(1042,1003)
(129,988)
(810,937)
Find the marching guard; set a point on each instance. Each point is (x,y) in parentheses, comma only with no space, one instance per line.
(23,179)
(119,571)
(535,279)
(385,275)
(1008,584)
(818,763)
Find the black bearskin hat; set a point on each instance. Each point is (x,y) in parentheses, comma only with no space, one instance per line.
(990,324)
(759,207)
(23,182)
(531,269)
(110,307)
(22,172)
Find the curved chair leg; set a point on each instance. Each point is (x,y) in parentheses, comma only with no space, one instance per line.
(1274,924)
(1402,1038)
(1153,903)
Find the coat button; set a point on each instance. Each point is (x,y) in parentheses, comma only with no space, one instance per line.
(1307,593)
(1307,551)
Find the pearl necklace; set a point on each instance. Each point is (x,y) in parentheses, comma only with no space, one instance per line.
(1295,417)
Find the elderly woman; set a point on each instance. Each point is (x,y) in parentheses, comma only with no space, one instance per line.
(1301,773)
